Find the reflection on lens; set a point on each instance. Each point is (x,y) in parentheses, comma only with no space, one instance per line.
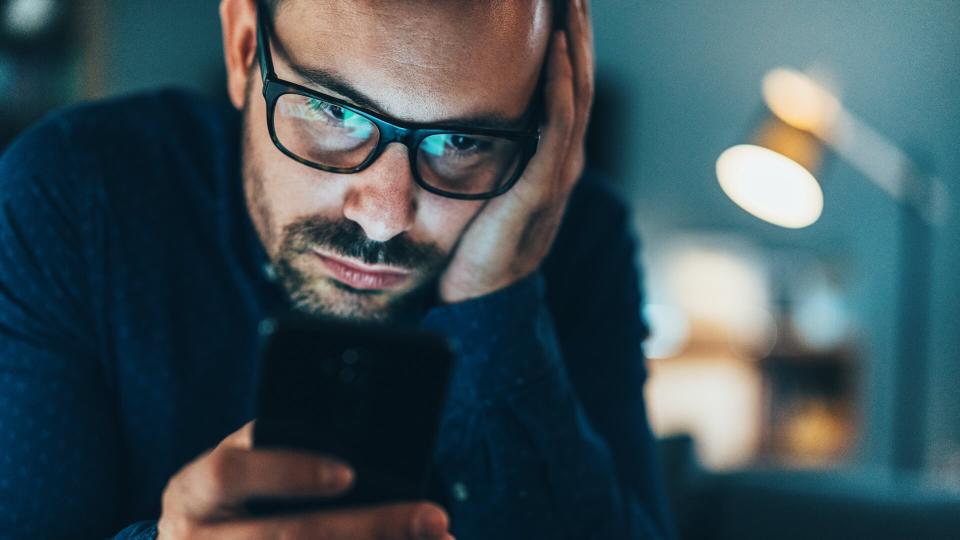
(467,163)
(323,132)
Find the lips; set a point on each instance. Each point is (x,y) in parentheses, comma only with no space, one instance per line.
(360,276)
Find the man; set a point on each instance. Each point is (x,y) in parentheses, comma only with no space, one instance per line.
(143,240)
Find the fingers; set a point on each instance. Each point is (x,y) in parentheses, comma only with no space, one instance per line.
(569,89)
(241,438)
(560,98)
(582,62)
(581,58)
(403,521)
(205,499)
(267,473)
(219,483)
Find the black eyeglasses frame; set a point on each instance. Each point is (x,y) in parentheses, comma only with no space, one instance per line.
(409,134)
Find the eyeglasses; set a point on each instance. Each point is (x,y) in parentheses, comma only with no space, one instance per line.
(326,133)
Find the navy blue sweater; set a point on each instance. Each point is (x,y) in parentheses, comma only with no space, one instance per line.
(131,287)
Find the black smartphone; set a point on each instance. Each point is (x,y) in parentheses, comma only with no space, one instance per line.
(370,396)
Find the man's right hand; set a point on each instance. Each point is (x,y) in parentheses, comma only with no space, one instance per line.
(206,499)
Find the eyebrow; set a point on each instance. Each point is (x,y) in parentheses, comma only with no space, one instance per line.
(331,82)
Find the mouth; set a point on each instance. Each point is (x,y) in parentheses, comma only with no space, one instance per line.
(361,276)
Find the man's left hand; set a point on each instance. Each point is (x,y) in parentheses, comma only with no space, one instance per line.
(512,233)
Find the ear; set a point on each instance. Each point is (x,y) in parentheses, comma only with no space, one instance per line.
(239,21)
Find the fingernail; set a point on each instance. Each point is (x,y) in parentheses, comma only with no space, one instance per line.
(430,524)
(339,476)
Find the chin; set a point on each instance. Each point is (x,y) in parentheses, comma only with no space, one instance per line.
(330,299)
(316,294)
(327,298)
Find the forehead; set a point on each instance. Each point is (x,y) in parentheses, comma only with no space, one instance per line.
(422,60)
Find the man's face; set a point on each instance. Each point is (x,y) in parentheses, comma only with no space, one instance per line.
(370,244)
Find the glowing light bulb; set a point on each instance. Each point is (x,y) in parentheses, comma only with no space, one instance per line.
(770,186)
(800,101)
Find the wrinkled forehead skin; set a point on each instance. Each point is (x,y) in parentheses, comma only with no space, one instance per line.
(423,60)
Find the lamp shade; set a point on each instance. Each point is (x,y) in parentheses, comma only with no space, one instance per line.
(770,185)
(773,177)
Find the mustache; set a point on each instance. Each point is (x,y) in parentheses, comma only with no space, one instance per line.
(347,239)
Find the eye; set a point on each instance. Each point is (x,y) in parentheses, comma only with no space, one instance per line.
(339,113)
(334,112)
(455,145)
(462,143)
(339,119)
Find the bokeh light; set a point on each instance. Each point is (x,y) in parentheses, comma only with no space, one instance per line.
(770,186)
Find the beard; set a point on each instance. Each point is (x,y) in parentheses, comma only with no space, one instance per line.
(313,293)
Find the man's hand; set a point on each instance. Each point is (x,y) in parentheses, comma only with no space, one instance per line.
(205,499)
(513,232)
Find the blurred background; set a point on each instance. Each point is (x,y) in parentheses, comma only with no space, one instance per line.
(803,377)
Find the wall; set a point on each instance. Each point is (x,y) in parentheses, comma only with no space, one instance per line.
(689,74)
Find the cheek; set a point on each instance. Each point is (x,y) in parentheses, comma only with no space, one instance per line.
(284,191)
(443,220)
(294,192)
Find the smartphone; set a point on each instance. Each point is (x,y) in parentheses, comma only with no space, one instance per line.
(370,396)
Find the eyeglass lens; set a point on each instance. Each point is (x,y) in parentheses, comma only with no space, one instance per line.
(335,137)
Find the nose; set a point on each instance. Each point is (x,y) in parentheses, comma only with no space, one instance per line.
(381,198)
